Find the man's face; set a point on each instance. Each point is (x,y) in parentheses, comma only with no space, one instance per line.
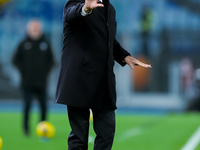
(34,29)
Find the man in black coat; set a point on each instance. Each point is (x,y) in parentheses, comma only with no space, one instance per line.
(86,80)
(34,60)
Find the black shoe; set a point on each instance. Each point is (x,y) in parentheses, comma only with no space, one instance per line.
(26,132)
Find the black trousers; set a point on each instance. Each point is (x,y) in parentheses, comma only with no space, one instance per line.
(28,93)
(103,124)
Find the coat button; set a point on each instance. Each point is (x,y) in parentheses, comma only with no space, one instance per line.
(109,43)
(108,24)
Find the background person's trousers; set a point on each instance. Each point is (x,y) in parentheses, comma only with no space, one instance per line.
(103,124)
(28,94)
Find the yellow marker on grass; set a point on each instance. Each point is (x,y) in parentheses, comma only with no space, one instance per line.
(91,116)
(45,129)
(1,143)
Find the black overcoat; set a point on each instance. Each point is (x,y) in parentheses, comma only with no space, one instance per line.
(88,55)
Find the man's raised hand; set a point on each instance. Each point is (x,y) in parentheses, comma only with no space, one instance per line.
(91,5)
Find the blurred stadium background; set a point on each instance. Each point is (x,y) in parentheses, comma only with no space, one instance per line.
(171,86)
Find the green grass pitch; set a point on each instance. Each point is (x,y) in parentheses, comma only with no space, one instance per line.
(133,132)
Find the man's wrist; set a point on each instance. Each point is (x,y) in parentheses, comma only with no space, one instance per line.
(126,57)
(85,12)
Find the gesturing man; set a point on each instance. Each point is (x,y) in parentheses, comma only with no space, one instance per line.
(86,80)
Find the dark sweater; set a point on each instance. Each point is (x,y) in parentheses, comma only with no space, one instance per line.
(34,60)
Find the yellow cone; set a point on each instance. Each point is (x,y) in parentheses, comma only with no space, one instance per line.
(91,116)
(1,143)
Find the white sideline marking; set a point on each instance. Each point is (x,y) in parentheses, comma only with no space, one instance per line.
(130,133)
(91,139)
(193,142)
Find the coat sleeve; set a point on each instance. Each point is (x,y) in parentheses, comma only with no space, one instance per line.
(72,12)
(119,53)
(18,58)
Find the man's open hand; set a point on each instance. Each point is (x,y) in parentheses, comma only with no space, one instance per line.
(91,5)
(132,62)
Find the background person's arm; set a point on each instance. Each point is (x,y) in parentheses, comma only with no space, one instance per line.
(17,59)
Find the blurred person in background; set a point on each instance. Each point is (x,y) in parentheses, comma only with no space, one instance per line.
(146,25)
(86,80)
(190,84)
(142,77)
(34,59)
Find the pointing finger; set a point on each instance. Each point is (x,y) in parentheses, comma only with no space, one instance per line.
(131,65)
